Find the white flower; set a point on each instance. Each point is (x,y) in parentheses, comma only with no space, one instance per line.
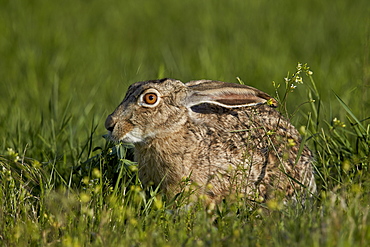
(299,66)
(299,80)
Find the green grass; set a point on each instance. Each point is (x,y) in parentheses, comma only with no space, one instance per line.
(64,66)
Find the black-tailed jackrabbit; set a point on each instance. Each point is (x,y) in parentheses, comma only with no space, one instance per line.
(224,137)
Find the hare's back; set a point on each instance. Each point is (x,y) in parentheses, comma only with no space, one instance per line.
(257,121)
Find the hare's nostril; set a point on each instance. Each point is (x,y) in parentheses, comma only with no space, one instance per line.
(110,123)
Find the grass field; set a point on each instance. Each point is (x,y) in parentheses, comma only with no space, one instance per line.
(65,65)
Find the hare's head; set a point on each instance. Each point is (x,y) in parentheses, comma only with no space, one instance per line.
(161,107)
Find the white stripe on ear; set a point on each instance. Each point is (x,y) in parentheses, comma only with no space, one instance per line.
(228,95)
(199,99)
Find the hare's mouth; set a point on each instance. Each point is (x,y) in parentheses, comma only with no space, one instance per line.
(132,136)
(122,130)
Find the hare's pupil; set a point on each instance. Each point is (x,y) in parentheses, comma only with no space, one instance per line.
(150,98)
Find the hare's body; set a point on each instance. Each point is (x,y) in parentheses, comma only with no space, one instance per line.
(223,137)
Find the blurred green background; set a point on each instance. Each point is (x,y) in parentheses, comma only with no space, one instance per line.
(65,65)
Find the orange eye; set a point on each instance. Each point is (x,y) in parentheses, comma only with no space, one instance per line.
(150,98)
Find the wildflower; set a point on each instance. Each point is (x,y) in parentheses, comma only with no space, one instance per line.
(338,123)
(291,143)
(158,203)
(299,80)
(14,155)
(346,165)
(274,204)
(299,67)
(271,102)
(84,197)
(96,173)
(135,188)
(270,132)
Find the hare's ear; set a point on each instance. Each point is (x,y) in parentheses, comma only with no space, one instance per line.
(229,95)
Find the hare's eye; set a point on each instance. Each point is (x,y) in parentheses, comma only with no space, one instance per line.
(150,98)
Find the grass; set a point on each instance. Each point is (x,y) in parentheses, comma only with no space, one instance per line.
(64,66)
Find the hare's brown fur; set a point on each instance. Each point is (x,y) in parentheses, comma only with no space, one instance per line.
(223,143)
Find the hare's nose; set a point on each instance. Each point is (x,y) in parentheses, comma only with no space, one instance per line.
(110,122)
